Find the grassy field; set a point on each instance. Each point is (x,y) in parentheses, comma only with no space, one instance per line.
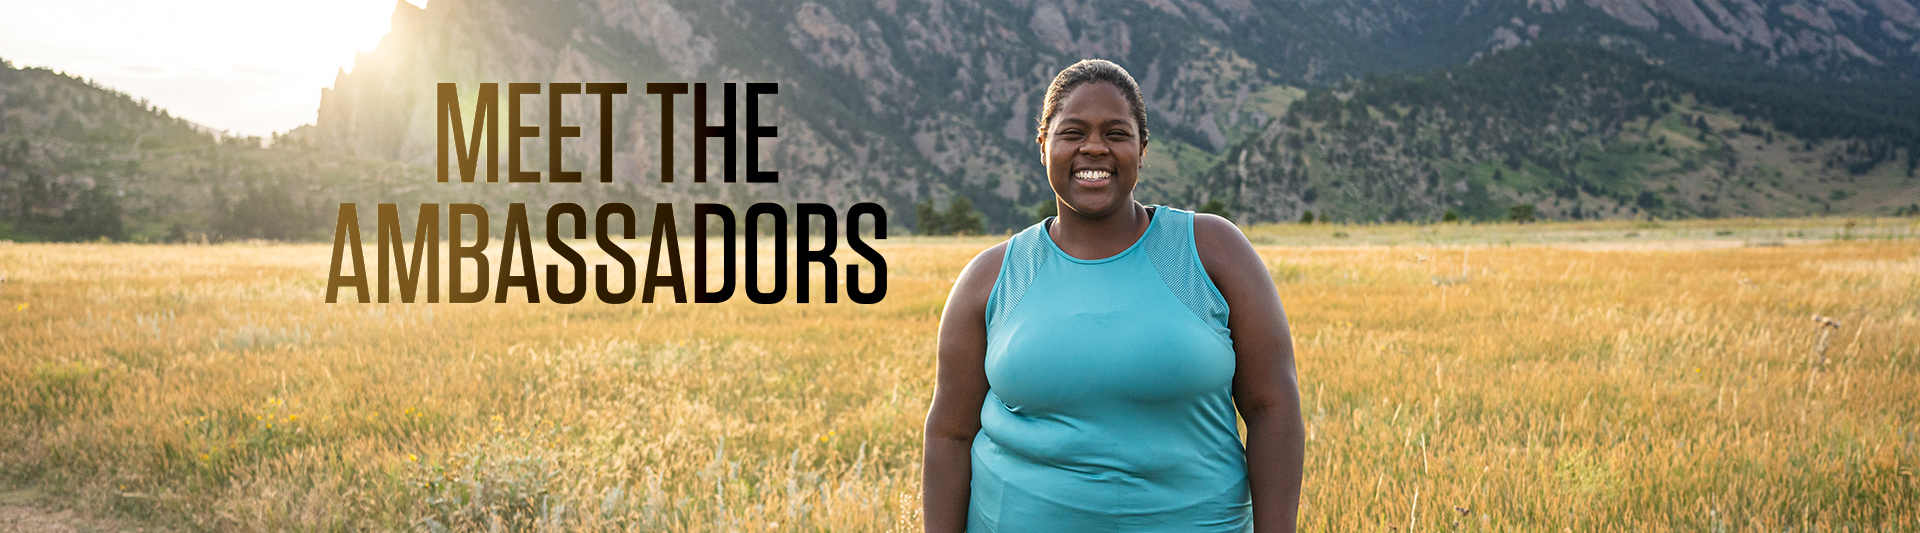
(1612,376)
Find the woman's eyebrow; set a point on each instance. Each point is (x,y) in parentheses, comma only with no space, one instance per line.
(1065,121)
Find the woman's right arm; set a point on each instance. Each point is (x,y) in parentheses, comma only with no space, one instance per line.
(959,390)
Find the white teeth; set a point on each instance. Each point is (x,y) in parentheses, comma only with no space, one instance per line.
(1092,175)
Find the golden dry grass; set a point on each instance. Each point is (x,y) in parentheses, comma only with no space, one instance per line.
(1536,389)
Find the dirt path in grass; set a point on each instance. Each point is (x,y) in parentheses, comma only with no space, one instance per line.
(28,511)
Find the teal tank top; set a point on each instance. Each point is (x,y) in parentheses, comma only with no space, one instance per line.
(1109,405)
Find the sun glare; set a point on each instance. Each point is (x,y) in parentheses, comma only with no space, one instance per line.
(245,66)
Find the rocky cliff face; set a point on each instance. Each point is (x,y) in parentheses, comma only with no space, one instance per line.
(1827,38)
(879,101)
(896,101)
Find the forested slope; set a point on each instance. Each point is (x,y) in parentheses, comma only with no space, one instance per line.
(1576,131)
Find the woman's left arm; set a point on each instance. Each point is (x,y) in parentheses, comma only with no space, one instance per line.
(1265,387)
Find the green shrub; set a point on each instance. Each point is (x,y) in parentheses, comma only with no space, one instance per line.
(1520,213)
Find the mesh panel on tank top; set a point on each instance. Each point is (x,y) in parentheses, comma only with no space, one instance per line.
(1024,256)
(1174,255)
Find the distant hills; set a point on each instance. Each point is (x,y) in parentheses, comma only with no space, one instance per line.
(1576,132)
(1353,110)
(82,162)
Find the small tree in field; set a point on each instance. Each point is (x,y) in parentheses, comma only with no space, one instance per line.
(1520,213)
(929,221)
(961,219)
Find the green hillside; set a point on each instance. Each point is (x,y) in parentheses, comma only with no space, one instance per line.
(1576,132)
(83,162)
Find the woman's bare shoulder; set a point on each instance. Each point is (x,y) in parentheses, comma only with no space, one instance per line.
(976,281)
(1230,260)
(1222,245)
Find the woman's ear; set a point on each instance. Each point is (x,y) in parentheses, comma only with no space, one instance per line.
(1041,140)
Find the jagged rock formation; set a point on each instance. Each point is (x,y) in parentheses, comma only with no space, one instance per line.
(887,101)
(1826,39)
(896,101)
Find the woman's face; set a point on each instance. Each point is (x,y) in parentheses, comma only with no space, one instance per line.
(1093,150)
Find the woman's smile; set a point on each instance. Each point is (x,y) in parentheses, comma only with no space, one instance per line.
(1092,178)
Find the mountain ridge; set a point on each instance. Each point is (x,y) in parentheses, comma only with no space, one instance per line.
(899,102)
(906,102)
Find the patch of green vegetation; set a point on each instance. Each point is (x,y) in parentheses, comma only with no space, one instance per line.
(1615,171)
(1170,173)
(1274,100)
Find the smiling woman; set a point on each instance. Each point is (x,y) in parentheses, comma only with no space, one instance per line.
(1089,368)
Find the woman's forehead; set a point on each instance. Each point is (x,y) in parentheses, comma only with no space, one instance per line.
(1095,102)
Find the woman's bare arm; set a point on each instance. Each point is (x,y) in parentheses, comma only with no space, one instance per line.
(1265,389)
(960,388)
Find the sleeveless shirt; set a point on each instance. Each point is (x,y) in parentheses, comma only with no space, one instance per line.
(1109,405)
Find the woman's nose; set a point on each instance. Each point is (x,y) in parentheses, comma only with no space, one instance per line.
(1094,146)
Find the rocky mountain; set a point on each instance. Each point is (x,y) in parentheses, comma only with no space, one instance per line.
(1572,131)
(889,101)
(1754,39)
(1353,109)
(897,101)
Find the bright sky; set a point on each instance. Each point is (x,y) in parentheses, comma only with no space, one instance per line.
(252,67)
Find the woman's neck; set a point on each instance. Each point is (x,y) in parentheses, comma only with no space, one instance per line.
(1096,238)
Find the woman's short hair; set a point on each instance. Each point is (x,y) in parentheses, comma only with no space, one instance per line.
(1088,71)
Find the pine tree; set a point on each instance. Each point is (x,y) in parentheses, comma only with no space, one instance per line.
(929,221)
(961,219)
